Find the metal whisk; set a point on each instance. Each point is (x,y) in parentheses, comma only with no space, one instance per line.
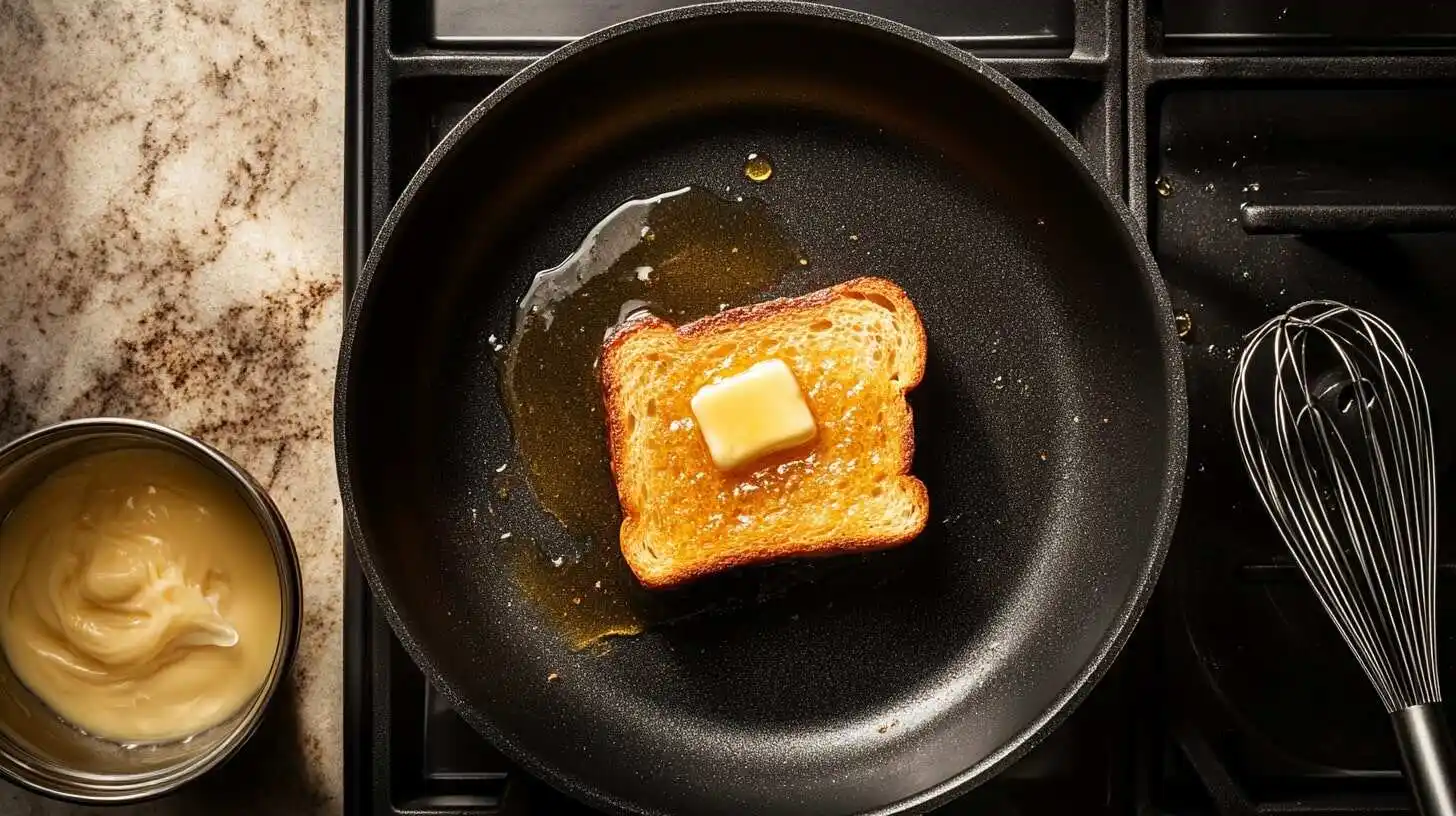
(1331,417)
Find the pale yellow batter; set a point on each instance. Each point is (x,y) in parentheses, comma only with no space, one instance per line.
(140,597)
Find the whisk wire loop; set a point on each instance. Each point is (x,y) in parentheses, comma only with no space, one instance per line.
(1333,424)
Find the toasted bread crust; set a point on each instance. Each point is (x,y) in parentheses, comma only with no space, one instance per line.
(688,571)
(657,573)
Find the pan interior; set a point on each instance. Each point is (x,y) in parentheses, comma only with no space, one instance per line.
(1042,424)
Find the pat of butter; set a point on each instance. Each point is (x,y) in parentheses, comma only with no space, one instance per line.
(753,414)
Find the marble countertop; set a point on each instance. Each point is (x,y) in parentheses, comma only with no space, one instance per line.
(171,249)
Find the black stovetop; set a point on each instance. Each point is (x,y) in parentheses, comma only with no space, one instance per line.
(1235,695)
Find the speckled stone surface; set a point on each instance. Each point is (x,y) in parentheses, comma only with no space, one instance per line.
(170,249)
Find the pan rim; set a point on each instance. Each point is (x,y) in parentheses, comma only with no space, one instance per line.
(1154,289)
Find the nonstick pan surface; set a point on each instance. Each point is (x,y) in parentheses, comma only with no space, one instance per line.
(1050,425)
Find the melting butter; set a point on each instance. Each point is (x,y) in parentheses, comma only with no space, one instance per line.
(141,598)
(752,414)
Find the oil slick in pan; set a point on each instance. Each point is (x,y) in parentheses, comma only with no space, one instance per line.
(682,254)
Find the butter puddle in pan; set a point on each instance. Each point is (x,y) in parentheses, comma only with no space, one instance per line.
(683,255)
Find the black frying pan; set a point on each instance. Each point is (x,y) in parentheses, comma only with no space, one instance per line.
(1050,425)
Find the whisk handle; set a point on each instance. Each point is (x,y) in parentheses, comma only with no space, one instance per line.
(1425,748)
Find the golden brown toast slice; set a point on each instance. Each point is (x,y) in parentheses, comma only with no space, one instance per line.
(855,350)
